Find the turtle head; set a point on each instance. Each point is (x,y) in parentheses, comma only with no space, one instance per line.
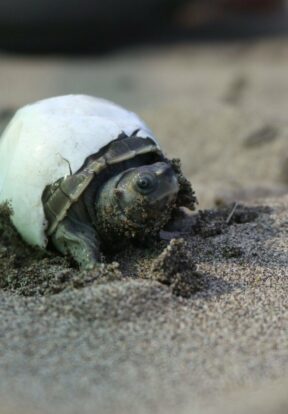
(145,192)
(137,202)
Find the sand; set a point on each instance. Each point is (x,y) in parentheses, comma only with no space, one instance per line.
(197,322)
(135,343)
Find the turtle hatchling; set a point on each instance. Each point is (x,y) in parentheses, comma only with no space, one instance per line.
(87,176)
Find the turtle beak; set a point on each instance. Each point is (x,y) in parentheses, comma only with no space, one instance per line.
(167,188)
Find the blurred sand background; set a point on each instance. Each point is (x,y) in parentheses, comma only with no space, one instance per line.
(223,111)
(220,108)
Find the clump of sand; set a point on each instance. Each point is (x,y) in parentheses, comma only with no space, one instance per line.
(30,271)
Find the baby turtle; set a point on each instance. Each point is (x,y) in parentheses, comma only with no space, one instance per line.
(84,174)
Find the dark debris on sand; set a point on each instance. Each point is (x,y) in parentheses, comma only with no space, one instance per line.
(28,271)
(176,267)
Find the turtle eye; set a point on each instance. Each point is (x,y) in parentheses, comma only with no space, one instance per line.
(146,183)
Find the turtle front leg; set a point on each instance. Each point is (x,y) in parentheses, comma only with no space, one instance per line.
(78,240)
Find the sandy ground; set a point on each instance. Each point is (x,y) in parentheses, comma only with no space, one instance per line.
(203,328)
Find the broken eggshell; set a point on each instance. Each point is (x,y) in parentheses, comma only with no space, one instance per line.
(48,140)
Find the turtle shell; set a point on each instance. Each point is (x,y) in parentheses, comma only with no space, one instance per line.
(51,139)
(58,198)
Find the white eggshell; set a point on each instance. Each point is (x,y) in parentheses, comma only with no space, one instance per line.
(39,142)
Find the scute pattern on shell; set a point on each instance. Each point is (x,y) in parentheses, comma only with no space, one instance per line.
(44,140)
(59,197)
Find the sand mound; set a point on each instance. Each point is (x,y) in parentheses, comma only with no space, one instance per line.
(199,313)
